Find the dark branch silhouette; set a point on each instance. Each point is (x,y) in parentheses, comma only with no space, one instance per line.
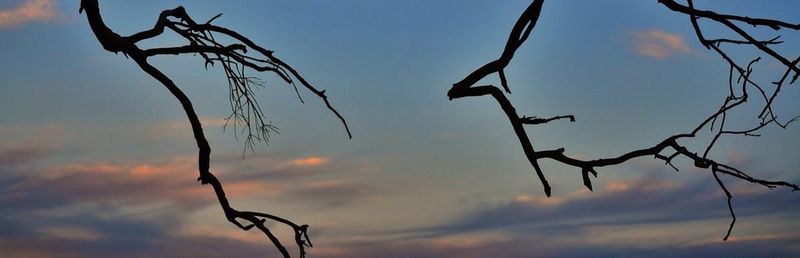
(465,88)
(673,146)
(246,112)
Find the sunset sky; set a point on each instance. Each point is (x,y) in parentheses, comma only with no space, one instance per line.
(97,158)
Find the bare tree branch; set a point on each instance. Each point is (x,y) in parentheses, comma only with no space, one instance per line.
(464,88)
(738,95)
(235,60)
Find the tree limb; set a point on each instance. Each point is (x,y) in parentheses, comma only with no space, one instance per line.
(737,96)
(246,110)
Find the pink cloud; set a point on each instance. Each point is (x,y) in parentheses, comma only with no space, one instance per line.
(252,188)
(28,11)
(659,44)
(166,181)
(540,200)
(617,186)
(172,181)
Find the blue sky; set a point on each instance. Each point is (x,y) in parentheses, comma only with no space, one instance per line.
(97,159)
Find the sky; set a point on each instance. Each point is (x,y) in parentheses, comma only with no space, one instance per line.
(97,159)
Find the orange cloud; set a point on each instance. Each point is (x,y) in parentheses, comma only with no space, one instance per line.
(171,181)
(659,44)
(540,201)
(28,11)
(143,171)
(70,169)
(310,161)
(254,188)
(618,186)
(523,198)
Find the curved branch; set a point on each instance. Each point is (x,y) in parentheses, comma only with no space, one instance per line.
(522,30)
(774,24)
(725,19)
(201,40)
(205,45)
(464,88)
(516,123)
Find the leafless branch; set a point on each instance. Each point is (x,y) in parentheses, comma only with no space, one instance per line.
(464,88)
(738,95)
(203,39)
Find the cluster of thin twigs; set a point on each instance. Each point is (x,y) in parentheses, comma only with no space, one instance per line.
(247,116)
(743,77)
(740,81)
(246,111)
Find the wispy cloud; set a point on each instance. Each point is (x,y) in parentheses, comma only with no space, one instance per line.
(21,155)
(86,208)
(332,193)
(644,205)
(153,241)
(146,208)
(104,183)
(70,232)
(310,161)
(532,245)
(652,216)
(659,44)
(28,11)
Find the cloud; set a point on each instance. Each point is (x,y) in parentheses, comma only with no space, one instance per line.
(152,208)
(180,127)
(106,183)
(28,11)
(91,209)
(157,242)
(70,232)
(86,208)
(652,216)
(165,245)
(332,193)
(276,168)
(129,188)
(635,204)
(659,44)
(310,161)
(20,156)
(539,200)
(532,245)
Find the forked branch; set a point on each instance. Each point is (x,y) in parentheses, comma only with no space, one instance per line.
(205,40)
(672,147)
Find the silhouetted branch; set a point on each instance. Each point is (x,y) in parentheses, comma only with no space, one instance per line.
(464,88)
(536,120)
(767,115)
(727,20)
(738,95)
(246,111)
(234,58)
